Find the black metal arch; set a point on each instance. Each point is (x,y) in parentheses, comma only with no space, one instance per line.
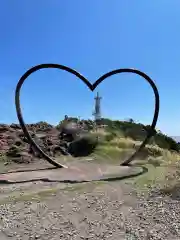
(92,88)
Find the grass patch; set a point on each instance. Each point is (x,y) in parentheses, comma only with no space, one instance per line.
(154,176)
(163,173)
(110,154)
(160,163)
(46,193)
(32,196)
(121,148)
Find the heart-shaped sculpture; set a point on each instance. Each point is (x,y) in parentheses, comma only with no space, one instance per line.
(151,130)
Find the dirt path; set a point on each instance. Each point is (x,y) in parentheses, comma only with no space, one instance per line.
(41,210)
(75,172)
(99,210)
(91,211)
(85,211)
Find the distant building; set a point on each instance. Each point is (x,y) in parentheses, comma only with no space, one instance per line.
(97,112)
(97,108)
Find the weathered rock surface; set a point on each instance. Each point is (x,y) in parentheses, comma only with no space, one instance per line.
(15,145)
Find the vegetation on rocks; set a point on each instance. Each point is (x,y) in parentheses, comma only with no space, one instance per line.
(115,138)
(130,129)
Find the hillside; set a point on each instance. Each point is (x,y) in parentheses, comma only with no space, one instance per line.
(117,138)
(130,129)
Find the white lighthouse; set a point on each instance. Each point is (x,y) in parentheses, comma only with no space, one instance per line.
(97,108)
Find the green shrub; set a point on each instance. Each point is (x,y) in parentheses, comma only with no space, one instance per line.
(135,131)
(109,137)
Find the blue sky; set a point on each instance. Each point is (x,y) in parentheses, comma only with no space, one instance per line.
(92,37)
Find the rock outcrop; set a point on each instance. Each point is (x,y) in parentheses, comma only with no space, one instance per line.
(16,147)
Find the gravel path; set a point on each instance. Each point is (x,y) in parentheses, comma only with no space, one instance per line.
(155,217)
(106,211)
(95,214)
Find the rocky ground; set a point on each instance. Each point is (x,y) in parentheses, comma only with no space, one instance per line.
(90,211)
(113,210)
(14,145)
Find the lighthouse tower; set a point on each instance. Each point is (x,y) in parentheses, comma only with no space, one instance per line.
(97,109)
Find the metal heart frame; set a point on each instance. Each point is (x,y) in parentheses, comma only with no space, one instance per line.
(92,87)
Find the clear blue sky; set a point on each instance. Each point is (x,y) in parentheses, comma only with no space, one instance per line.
(92,37)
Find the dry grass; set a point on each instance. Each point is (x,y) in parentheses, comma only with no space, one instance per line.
(119,146)
(163,165)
